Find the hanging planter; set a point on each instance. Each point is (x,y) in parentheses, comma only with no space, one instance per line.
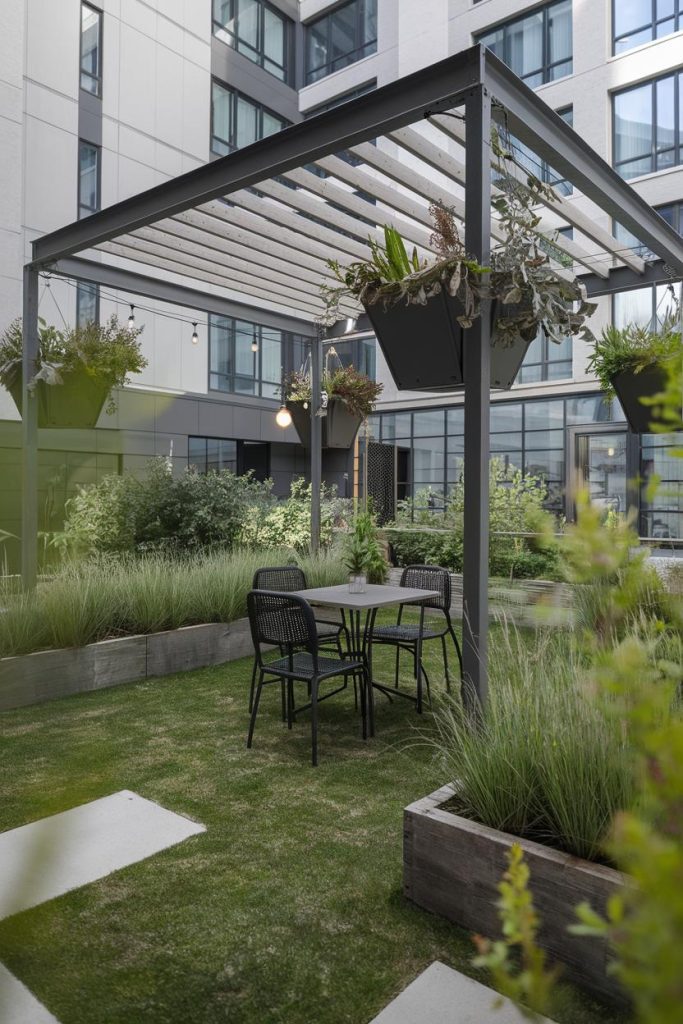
(351,398)
(634,364)
(436,362)
(76,370)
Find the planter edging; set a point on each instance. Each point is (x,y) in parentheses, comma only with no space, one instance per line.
(46,675)
(452,867)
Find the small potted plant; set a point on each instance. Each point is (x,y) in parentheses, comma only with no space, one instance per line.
(634,363)
(351,397)
(363,555)
(421,310)
(75,370)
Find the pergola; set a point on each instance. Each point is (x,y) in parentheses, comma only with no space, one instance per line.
(261,223)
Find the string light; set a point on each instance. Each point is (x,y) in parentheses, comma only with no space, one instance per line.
(254,341)
(283,417)
(195,336)
(131,318)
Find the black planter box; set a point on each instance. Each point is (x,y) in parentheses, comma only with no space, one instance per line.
(423,345)
(630,387)
(339,427)
(77,402)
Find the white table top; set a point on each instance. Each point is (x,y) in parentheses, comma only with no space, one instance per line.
(375,596)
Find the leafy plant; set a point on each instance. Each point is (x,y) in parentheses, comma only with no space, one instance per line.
(517,963)
(635,348)
(107,353)
(362,552)
(357,391)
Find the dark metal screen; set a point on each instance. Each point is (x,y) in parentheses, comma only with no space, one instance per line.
(381,480)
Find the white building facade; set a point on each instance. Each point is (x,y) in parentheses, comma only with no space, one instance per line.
(101,101)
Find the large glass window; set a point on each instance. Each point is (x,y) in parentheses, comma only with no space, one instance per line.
(345,35)
(87,303)
(640,21)
(661,513)
(237,121)
(546,360)
(88,178)
(249,359)
(648,306)
(537,46)
(541,168)
(91,50)
(257,30)
(647,126)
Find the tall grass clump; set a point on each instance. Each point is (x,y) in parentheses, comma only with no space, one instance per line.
(119,596)
(547,762)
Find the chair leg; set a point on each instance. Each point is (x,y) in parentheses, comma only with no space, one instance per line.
(290,703)
(283,692)
(360,679)
(254,712)
(457,646)
(253,686)
(445,663)
(396,668)
(314,721)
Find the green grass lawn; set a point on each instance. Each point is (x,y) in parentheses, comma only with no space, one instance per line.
(289,908)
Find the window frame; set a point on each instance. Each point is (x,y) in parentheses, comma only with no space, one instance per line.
(546,65)
(98,203)
(218,31)
(235,95)
(363,48)
(652,25)
(677,77)
(288,361)
(96,78)
(81,287)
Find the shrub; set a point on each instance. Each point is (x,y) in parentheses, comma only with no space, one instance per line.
(287,523)
(362,554)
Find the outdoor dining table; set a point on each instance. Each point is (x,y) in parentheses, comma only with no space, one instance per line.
(360,628)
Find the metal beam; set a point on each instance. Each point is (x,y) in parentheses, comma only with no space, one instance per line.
(537,125)
(135,283)
(316,437)
(623,279)
(29,433)
(438,87)
(477,374)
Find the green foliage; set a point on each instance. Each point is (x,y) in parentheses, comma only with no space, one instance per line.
(636,348)
(108,353)
(517,963)
(547,763)
(287,523)
(515,507)
(362,553)
(116,596)
(358,391)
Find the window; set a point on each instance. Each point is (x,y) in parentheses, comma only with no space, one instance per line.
(672,213)
(237,121)
(212,454)
(345,35)
(91,50)
(256,30)
(546,360)
(661,513)
(87,303)
(537,46)
(249,359)
(88,179)
(528,159)
(647,126)
(647,306)
(640,21)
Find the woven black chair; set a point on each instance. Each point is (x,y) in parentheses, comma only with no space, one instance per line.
(285,579)
(410,637)
(286,621)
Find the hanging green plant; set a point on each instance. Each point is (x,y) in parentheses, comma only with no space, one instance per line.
(351,397)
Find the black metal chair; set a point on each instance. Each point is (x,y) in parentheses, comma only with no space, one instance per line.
(410,637)
(285,579)
(287,622)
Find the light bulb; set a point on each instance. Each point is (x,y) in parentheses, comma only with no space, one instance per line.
(131,318)
(195,336)
(610,452)
(283,417)
(305,405)
(254,346)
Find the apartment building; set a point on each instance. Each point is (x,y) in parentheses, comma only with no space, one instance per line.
(102,100)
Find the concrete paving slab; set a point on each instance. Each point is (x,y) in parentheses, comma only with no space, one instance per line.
(441,995)
(17,1005)
(50,857)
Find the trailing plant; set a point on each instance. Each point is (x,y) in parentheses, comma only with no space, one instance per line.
(357,391)
(362,551)
(106,353)
(521,275)
(635,348)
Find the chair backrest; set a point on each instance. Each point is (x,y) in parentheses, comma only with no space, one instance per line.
(281,619)
(429,577)
(280,578)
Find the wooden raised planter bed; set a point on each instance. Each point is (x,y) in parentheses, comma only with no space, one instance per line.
(453,866)
(45,675)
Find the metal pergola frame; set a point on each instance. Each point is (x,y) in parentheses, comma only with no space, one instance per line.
(248,223)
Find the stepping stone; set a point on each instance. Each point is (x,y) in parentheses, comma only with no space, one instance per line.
(54,855)
(441,995)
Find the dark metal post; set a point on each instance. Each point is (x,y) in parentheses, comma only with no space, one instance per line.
(316,437)
(477,363)
(29,433)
